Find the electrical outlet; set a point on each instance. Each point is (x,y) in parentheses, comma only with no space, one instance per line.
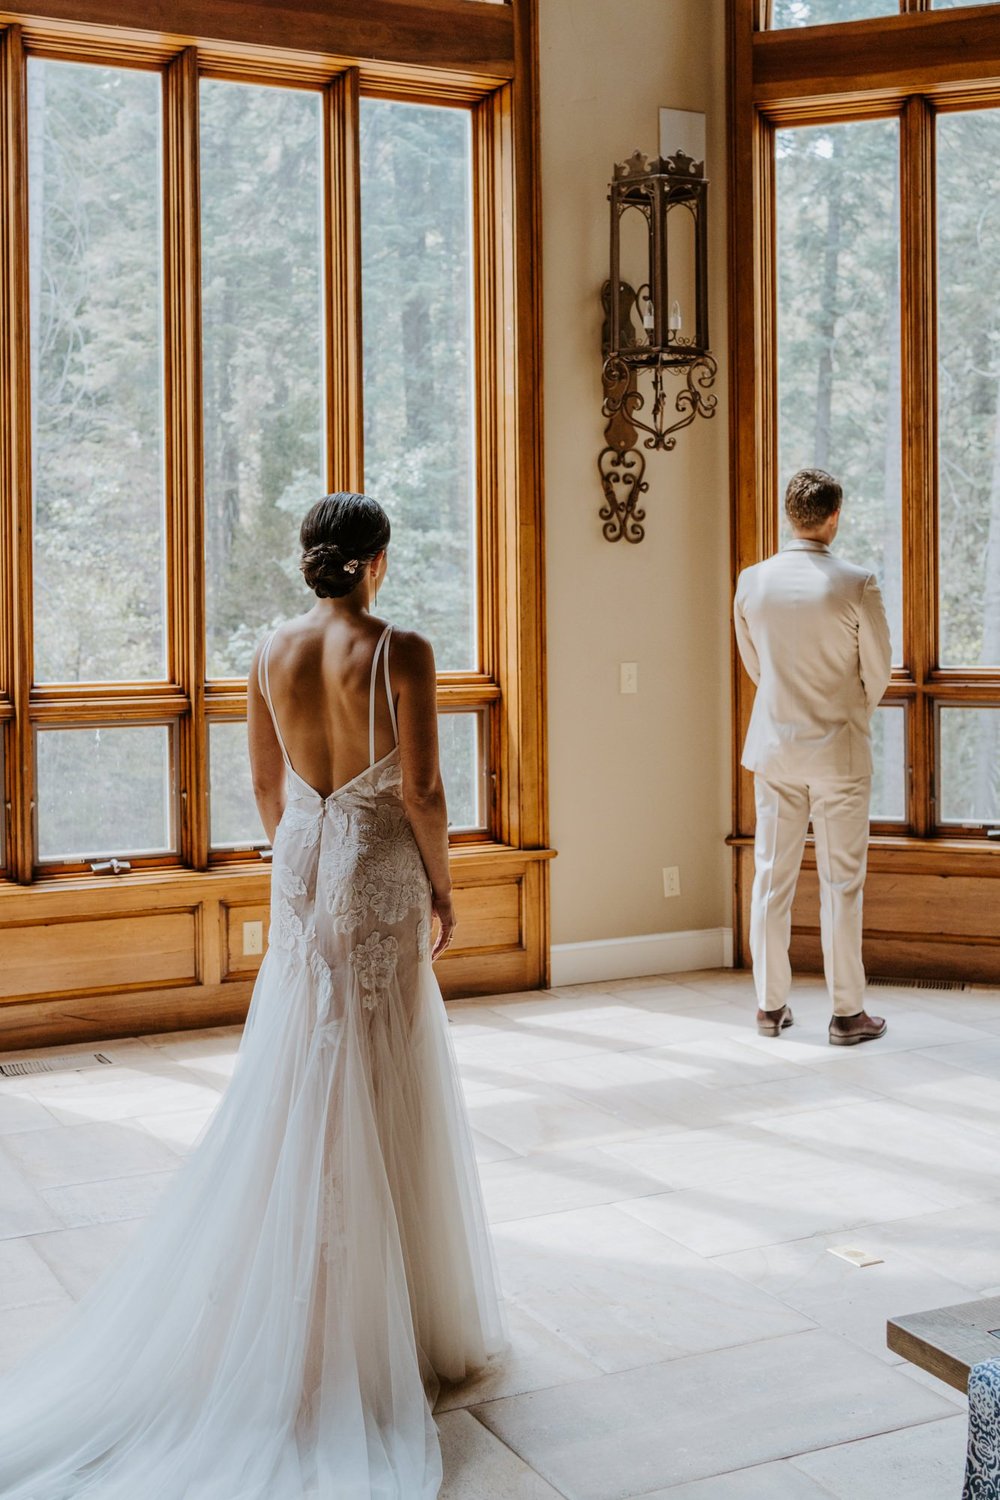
(253,938)
(629,677)
(671,880)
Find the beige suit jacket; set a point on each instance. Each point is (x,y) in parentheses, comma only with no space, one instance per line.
(812,633)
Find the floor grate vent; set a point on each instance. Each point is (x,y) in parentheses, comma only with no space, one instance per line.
(69,1061)
(885,981)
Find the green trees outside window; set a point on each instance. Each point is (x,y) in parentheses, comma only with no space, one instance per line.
(262,355)
(837,209)
(823,12)
(837,202)
(94,166)
(98,332)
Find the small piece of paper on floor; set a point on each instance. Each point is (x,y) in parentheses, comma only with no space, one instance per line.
(856,1257)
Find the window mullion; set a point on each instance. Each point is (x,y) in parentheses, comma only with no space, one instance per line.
(919,449)
(342,229)
(15,454)
(184,482)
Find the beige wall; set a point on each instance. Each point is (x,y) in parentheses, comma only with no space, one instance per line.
(636,782)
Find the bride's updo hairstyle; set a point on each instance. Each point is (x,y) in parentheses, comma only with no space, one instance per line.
(339,536)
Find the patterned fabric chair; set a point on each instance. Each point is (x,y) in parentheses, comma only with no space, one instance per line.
(982,1469)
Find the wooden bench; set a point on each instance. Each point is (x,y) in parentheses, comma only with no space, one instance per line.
(948,1341)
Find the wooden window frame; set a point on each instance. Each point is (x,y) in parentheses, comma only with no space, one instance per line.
(910,66)
(478,56)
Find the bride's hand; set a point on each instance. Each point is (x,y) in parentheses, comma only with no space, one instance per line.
(442,908)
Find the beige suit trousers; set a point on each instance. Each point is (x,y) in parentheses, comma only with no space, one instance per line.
(839,811)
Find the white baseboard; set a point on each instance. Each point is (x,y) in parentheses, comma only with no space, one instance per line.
(651,953)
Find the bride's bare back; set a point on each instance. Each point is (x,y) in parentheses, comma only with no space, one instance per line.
(319,672)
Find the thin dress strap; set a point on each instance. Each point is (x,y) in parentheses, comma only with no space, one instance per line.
(383,641)
(388,687)
(264,683)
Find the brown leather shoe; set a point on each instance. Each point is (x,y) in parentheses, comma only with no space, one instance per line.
(848,1031)
(773,1022)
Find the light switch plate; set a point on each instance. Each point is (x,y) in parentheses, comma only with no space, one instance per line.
(253,938)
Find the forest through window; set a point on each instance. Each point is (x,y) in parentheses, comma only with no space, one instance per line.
(829,12)
(837,200)
(99,413)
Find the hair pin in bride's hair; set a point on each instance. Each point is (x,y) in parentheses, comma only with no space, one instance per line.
(352,566)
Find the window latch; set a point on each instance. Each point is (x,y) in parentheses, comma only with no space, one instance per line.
(110,867)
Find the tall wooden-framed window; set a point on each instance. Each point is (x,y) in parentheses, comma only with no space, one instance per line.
(235,276)
(865,253)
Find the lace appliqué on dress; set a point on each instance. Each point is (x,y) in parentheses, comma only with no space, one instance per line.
(303,816)
(390,778)
(370,865)
(286,924)
(346,896)
(374,962)
(396,876)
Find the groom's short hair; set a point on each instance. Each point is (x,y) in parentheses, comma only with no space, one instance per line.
(812,497)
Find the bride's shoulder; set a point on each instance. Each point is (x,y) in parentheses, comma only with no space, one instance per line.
(260,649)
(281,631)
(277,636)
(264,643)
(412,653)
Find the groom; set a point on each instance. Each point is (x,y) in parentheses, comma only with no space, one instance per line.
(813,637)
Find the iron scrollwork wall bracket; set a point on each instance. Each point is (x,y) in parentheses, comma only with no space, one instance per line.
(622,463)
(642,328)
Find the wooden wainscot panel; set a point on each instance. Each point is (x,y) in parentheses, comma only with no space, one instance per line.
(71,1019)
(502,943)
(490,917)
(907,956)
(91,955)
(88,960)
(939,907)
(917,924)
(490,922)
(236,964)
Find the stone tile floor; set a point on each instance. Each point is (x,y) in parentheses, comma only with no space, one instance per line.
(664,1187)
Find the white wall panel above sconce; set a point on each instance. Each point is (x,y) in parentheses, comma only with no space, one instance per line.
(682,130)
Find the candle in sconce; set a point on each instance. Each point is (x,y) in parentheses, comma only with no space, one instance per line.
(648,315)
(675,318)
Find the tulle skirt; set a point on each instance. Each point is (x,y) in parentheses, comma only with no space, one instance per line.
(278,1327)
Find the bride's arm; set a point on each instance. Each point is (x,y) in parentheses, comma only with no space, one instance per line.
(415,680)
(267,767)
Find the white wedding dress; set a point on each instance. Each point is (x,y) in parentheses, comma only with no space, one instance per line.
(276,1330)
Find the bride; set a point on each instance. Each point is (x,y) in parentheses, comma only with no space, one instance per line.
(277,1329)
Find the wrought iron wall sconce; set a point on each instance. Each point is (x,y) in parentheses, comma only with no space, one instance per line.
(659,265)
